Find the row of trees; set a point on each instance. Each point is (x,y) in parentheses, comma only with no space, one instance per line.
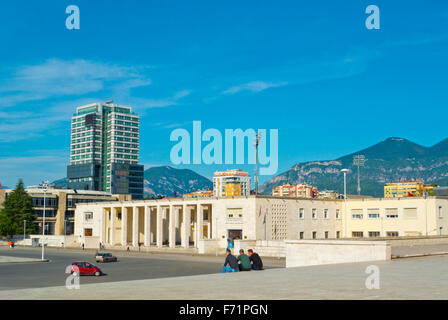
(17,207)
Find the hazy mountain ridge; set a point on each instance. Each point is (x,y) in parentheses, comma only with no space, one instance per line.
(165,181)
(393,159)
(168,181)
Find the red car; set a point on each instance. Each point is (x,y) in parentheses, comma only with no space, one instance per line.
(85,268)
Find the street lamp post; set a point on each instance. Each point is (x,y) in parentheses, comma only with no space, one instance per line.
(65,231)
(44,187)
(344,171)
(24,231)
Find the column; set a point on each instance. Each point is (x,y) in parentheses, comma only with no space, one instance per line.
(159,214)
(103,226)
(186,215)
(124,226)
(147,226)
(135,231)
(112,226)
(177,223)
(199,224)
(172,229)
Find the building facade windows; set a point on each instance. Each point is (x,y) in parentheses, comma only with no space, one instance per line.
(391,213)
(301,213)
(374,234)
(357,214)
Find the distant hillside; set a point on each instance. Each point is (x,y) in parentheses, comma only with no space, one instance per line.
(393,159)
(168,181)
(165,181)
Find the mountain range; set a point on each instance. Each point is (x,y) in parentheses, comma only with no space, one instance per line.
(166,181)
(393,159)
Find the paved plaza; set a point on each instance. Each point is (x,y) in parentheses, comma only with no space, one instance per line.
(411,278)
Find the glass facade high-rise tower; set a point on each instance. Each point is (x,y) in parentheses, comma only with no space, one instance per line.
(104,150)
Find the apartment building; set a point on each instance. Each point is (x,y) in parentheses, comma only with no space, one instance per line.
(296,191)
(231,183)
(410,188)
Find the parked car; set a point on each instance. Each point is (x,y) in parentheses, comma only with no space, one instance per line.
(85,268)
(105,257)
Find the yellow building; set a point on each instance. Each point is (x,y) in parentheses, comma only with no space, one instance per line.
(232,190)
(395,217)
(410,188)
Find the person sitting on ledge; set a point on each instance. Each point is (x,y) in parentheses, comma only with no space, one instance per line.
(230,264)
(257,264)
(244,261)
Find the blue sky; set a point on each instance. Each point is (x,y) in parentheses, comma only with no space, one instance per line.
(312,71)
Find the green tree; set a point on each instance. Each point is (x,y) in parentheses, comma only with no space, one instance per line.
(18,206)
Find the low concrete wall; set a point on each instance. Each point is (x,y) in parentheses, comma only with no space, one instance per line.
(209,246)
(301,253)
(264,248)
(243,244)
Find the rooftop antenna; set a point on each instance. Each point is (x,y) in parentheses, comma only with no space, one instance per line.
(257,140)
(359,160)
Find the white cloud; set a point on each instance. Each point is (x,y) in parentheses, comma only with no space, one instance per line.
(55,78)
(254,86)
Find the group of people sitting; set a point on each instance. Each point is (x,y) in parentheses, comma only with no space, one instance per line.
(244,262)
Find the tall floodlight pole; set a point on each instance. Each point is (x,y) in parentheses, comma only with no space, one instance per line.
(344,171)
(44,187)
(257,140)
(359,160)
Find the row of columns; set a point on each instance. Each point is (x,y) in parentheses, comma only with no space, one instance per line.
(174,220)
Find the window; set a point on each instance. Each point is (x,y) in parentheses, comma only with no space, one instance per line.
(326,234)
(325,213)
(374,234)
(391,213)
(338,234)
(314,213)
(301,235)
(357,234)
(357,214)
(205,217)
(314,234)
(88,215)
(392,233)
(440,212)
(88,232)
(338,214)
(410,213)
(301,213)
(373,213)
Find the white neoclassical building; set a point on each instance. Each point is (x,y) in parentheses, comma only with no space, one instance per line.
(192,223)
(183,222)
